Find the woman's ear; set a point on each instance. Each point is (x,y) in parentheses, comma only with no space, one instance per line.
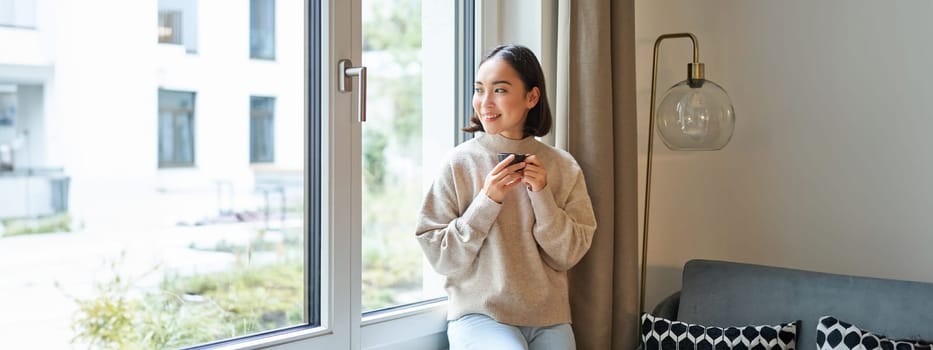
(532,97)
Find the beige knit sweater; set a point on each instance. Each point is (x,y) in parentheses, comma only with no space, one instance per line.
(508,261)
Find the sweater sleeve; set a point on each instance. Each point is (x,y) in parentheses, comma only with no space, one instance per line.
(564,233)
(451,240)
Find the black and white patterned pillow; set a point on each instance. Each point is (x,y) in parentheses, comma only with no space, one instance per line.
(833,334)
(658,333)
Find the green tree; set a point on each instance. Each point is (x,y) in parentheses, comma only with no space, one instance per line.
(394,26)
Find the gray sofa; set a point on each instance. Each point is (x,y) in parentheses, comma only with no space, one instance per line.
(719,293)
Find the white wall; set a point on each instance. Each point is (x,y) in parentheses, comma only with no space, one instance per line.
(512,22)
(530,23)
(829,167)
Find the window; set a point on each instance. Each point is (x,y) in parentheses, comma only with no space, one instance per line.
(262,29)
(176,128)
(7,106)
(170,27)
(8,102)
(261,129)
(18,13)
(178,23)
(140,223)
(412,61)
(393,273)
(168,236)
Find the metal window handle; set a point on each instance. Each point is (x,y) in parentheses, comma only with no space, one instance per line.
(347,71)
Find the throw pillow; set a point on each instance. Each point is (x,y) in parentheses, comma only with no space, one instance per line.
(833,334)
(658,333)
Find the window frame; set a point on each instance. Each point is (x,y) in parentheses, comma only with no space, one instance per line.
(466,66)
(424,325)
(318,329)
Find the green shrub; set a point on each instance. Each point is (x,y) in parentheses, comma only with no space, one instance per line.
(28,226)
(253,298)
(189,310)
(107,320)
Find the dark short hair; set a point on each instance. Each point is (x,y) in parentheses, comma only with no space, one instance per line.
(523,60)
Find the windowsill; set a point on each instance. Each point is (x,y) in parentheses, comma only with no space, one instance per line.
(176,166)
(177,49)
(263,342)
(422,327)
(17,26)
(270,167)
(386,316)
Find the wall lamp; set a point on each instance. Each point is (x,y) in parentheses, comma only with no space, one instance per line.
(694,115)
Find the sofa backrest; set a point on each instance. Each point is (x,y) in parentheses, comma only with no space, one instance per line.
(718,293)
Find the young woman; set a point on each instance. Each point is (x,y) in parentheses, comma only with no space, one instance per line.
(504,235)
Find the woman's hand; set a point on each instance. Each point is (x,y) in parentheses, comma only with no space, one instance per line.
(535,175)
(502,178)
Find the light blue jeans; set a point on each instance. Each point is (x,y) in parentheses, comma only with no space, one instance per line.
(480,332)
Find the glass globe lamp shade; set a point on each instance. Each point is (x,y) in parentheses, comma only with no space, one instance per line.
(695,115)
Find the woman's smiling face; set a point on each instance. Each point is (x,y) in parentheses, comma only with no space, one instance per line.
(500,99)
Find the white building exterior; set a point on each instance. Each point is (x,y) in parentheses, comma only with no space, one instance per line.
(86,76)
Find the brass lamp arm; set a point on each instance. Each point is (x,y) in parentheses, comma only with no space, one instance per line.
(695,71)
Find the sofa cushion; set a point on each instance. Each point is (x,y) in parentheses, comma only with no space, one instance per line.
(722,293)
(833,334)
(658,333)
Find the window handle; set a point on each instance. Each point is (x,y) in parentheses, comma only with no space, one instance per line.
(347,71)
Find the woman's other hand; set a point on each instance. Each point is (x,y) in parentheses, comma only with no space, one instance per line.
(535,175)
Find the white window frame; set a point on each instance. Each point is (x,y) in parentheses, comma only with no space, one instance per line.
(425,326)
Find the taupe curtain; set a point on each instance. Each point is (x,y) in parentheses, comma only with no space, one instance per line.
(601,134)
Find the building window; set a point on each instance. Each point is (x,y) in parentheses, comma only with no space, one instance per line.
(178,23)
(176,129)
(8,102)
(262,29)
(261,129)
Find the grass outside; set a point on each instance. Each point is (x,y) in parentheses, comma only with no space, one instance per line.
(30,226)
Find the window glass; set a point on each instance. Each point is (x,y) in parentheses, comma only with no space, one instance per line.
(412,111)
(262,29)
(170,27)
(7,105)
(8,101)
(176,121)
(138,221)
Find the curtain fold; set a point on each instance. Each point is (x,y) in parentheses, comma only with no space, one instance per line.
(601,130)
